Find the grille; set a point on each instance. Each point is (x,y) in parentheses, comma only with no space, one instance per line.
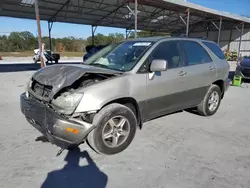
(42,90)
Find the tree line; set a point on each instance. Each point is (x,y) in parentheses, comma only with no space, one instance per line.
(26,41)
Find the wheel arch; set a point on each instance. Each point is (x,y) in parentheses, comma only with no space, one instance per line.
(130,103)
(220,84)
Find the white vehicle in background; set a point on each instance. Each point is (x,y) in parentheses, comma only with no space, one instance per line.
(47,55)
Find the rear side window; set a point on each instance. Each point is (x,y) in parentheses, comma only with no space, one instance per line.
(215,49)
(195,53)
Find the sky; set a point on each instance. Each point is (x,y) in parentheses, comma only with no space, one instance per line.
(8,25)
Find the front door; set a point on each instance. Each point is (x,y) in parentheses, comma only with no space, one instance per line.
(165,89)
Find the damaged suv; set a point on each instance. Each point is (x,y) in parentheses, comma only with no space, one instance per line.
(106,99)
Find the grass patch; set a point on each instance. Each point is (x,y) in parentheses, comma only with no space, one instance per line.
(72,54)
(17,54)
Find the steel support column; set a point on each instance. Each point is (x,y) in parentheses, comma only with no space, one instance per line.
(127,33)
(39,33)
(187,23)
(93,29)
(230,40)
(50,25)
(219,33)
(136,18)
(241,33)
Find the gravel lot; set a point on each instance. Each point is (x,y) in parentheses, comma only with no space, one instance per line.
(178,150)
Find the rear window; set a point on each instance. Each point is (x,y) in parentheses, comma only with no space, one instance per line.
(215,49)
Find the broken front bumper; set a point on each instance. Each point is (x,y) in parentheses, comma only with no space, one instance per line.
(58,130)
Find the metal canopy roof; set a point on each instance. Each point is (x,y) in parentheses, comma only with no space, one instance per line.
(153,15)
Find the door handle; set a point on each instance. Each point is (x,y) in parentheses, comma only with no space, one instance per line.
(182,73)
(212,68)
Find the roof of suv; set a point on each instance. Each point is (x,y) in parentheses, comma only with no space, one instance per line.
(151,39)
(157,38)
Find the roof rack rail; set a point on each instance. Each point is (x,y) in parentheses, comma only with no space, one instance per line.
(195,37)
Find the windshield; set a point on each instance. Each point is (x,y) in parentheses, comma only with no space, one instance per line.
(120,56)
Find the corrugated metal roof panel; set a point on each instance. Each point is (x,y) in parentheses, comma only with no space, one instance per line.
(153,15)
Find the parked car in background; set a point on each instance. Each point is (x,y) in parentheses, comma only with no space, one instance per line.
(92,50)
(47,54)
(243,68)
(120,87)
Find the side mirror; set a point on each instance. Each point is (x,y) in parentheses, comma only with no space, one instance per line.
(158,65)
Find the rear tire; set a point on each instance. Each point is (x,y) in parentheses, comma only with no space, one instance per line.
(211,101)
(115,129)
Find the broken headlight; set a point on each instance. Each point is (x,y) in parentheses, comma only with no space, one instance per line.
(67,102)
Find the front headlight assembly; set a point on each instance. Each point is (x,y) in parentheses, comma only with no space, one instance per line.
(67,102)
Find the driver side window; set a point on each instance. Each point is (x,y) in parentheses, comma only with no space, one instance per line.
(169,51)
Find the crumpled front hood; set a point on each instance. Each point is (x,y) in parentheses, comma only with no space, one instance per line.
(61,76)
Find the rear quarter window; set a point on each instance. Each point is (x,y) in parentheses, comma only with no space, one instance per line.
(215,49)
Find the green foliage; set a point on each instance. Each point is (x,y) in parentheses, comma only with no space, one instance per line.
(101,39)
(18,41)
(142,34)
(26,41)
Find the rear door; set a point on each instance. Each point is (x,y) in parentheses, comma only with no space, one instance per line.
(200,71)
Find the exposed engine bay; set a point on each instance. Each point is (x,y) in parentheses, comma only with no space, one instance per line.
(67,98)
(85,81)
(89,79)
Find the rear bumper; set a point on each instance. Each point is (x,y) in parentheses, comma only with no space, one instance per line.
(52,125)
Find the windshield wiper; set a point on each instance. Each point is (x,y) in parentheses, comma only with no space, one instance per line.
(100,65)
(105,66)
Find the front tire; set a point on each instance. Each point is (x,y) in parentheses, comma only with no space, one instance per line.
(211,101)
(116,128)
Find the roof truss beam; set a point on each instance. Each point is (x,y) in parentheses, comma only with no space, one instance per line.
(57,12)
(157,15)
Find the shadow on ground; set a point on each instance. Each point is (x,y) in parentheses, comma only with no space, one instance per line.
(75,176)
(24,67)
